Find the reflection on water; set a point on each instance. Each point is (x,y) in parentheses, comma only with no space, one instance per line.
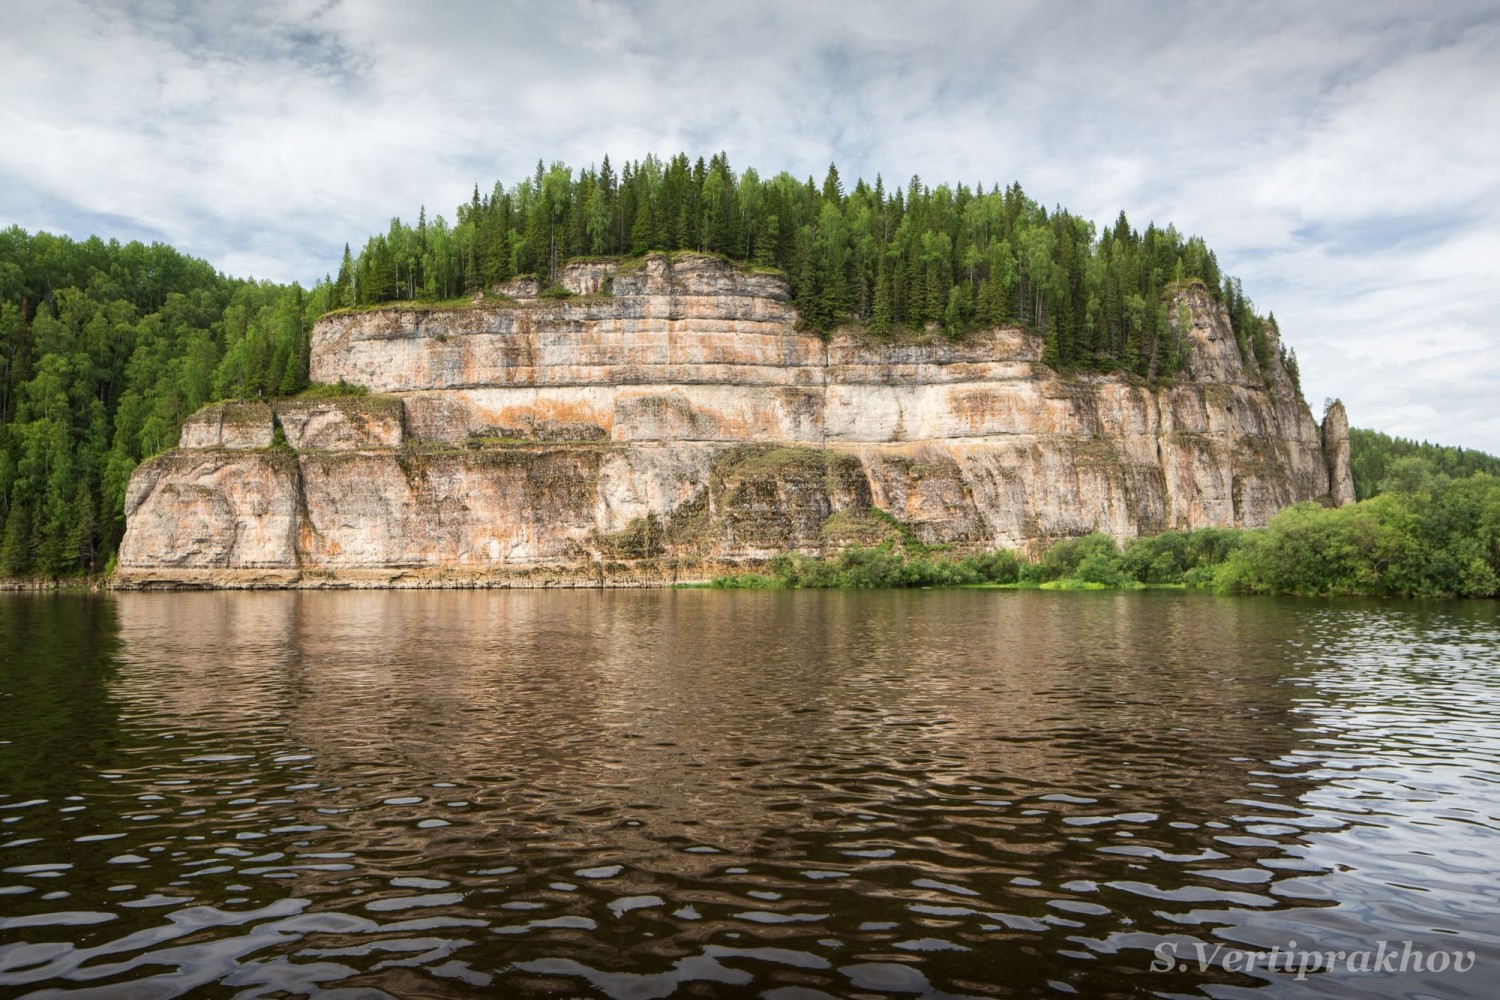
(782,795)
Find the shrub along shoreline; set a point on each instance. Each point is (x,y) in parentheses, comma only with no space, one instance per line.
(1433,537)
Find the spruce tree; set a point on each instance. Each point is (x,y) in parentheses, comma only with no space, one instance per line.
(16,544)
(766,230)
(880,312)
(343,289)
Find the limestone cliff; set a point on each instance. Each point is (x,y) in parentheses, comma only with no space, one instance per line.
(669,418)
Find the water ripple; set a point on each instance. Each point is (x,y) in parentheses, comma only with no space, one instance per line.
(940,794)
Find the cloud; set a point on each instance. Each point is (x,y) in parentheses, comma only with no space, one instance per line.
(1337,157)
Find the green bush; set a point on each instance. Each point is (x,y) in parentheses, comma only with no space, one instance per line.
(884,565)
(1440,537)
(1442,541)
(999,566)
(1179,556)
(1063,559)
(745,581)
(1103,568)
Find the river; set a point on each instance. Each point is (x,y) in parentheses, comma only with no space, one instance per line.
(787,795)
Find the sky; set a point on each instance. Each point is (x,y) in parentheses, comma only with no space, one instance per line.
(1341,158)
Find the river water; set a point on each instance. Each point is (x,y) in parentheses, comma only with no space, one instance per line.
(739,794)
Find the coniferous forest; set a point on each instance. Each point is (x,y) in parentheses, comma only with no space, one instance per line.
(951,255)
(1384,464)
(105,348)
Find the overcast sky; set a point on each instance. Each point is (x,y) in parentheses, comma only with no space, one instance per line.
(1342,158)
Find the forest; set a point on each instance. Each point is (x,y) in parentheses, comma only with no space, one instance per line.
(1381,463)
(885,258)
(105,348)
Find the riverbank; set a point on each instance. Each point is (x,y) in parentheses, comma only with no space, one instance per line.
(1093,562)
(1440,538)
(31,584)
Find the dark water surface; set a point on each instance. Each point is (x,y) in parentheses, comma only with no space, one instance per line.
(780,795)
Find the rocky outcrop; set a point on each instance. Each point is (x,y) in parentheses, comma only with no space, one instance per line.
(196,508)
(668,419)
(229,425)
(1336,453)
(341,424)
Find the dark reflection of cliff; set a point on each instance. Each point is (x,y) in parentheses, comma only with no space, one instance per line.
(1009,778)
(669,694)
(57,657)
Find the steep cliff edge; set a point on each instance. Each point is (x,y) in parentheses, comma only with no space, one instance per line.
(669,419)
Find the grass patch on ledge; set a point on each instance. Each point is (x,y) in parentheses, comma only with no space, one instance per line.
(334,390)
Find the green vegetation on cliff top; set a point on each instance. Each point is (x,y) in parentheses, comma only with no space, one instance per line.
(949,255)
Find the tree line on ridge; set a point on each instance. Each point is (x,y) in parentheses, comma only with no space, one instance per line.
(951,255)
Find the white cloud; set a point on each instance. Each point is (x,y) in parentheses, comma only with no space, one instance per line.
(1338,157)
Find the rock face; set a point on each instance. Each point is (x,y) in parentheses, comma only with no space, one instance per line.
(1336,454)
(668,419)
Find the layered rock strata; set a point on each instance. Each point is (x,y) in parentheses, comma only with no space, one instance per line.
(668,419)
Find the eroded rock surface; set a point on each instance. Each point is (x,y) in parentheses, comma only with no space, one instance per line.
(669,419)
(1336,454)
